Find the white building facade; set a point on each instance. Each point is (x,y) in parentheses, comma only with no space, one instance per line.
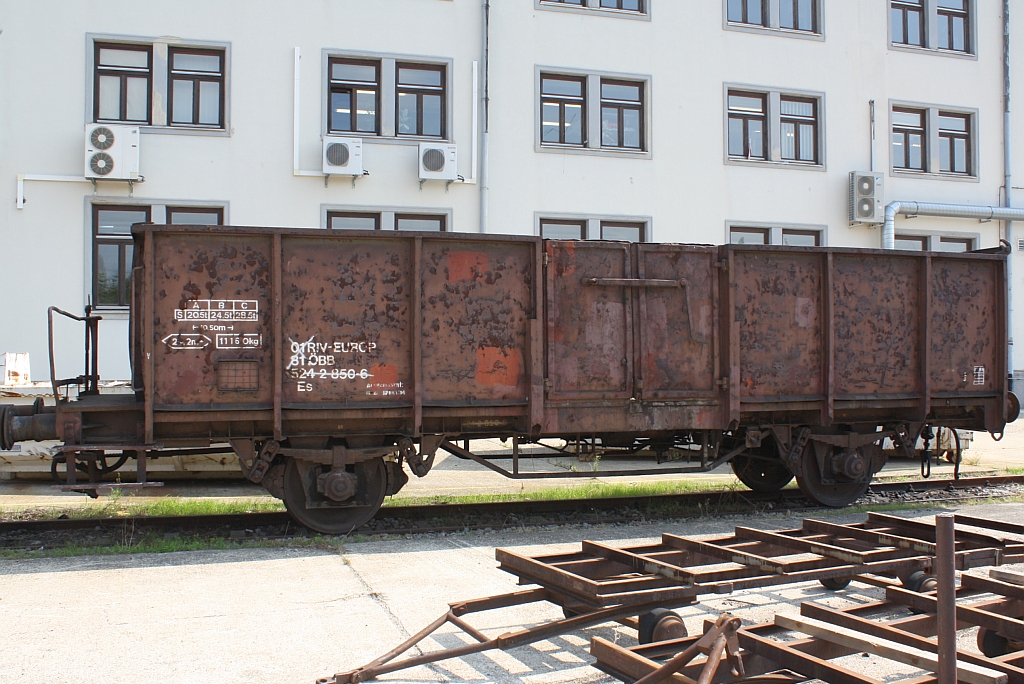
(656,120)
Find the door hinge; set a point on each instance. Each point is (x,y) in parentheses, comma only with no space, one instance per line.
(723,383)
(547,385)
(547,258)
(723,264)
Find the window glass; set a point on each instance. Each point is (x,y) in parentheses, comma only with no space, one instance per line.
(426,223)
(797,15)
(560,86)
(348,221)
(744,103)
(412,76)
(955,244)
(911,243)
(627,232)
(618,91)
(621,114)
(195,216)
(801,238)
(181,97)
(347,71)
(559,230)
(109,97)
(903,117)
(138,59)
(119,221)
(108,272)
(209,102)
(431,115)
(748,236)
(191,61)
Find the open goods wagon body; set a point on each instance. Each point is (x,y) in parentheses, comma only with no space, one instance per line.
(327,359)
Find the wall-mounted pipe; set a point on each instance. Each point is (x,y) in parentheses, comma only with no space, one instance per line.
(1008,176)
(484,146)
(967,211)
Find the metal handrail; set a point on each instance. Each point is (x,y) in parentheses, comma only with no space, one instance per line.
(91,380)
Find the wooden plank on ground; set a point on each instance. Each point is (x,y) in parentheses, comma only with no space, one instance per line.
(915,657)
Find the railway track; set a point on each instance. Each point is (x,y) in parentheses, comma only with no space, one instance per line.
(512,514)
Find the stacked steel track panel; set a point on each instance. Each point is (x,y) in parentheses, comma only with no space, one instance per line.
(601,583)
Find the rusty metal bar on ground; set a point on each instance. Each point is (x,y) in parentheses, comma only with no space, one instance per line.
(945,571)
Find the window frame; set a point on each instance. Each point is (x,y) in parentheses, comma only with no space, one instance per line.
(932,142)
(442,218)
(593,7)
(196,78)
(159,110)
(932,238)
(170,210)
(797,121)
(905,132)
(930,35)
(561,101)
(593,113)
(946,134)
(375,215)
(621,107)
(773,129)
(949,12)
(581,224)
(626,224)
(352,87)
(591,223)
(745,119)
(419,91)
(386,214)
(123,73)
(387,104)
(775,232)
(121,242)
(765,13)
(772,24)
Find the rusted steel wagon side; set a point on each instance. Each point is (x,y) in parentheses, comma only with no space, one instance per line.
(328,360)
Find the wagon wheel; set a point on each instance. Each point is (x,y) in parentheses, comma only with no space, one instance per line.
(834,495)
(333,519)
(761,474)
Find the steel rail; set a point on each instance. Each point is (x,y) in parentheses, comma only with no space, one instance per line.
(429,512)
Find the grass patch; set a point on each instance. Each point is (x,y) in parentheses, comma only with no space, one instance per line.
(589,490)
(162,545)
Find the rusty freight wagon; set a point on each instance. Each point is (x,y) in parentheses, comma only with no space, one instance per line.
(328,360)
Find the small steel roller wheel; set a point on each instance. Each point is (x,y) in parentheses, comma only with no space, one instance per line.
(992,644)
(920,581)
(835,583)
(661,625)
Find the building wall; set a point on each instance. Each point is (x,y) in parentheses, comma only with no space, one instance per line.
(683,186)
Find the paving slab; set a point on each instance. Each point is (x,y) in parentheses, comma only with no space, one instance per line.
(289,616)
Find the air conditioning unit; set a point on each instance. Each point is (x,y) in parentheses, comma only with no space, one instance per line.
(438,161)
(343,156)
(866,197)
(111,152)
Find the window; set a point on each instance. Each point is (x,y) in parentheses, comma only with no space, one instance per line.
(123,81)
(563,110)
(908,136)
(622,114)
(554,229)
(421,96)
(933,140)
(112,252)
(749,236)
(196,87)
(801,238)
(938,25)
(953,31)
(347,220)
(935,243)
(424,222)
(580,3)
(747,112)
(954,143)
(747,12)
(907,17)
(799,129)
(798,15)
(354,94)
(630,5)
(951,244)
(595,113)
(627,232)
(775,235)
(912,243)
(195,216)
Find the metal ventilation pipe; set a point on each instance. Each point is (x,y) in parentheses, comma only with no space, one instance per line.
(967,211)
